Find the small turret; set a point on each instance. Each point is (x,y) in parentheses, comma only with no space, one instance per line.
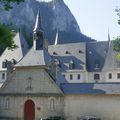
(38,37)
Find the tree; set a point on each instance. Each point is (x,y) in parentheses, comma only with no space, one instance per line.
(6,37)
(7,4)
(6,34)
(116,42)
(118,13)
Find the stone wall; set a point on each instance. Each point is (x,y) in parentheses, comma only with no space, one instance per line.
(107,107)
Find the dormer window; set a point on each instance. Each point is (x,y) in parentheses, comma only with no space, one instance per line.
(90,52)
(80,51)
(71,65)
(67,52)
(14,61)
(4,64)
(54,53)
(105,51)
(57,62)
(97,64)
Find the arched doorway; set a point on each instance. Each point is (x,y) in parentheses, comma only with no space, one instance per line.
(29,110)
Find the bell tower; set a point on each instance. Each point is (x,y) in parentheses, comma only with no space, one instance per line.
(38,37)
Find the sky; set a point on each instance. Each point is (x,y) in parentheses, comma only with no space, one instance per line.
(96,17)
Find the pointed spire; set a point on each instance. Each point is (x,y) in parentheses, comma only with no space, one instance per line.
(38,21)
(109,40)
(56,38)
(108,36)
(38,37)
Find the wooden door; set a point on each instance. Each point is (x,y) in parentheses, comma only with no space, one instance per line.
(29,110)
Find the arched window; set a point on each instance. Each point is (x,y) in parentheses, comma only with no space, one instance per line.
(71,64)
(29,84)
(52,104)
(7,103)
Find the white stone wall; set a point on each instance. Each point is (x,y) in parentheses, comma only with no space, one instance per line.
(42,109)
(104,76)
(107,107)
(75,73)
(114,76)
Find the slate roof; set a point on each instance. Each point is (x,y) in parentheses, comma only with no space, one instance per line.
(35,58)
(111,62)
(67,52)
(96,52)
(91,88)
(1,51)
(17,53)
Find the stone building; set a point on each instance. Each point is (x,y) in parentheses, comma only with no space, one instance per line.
(67,80)
(12,55)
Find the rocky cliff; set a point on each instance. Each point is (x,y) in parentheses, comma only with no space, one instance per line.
(55,15)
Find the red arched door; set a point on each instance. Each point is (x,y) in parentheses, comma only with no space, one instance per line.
(29,110)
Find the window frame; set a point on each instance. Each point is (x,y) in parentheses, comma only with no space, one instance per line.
(97,76)
(71,77)
(52,104)
(78,76)
(118,75)
(110,76)
(3,75)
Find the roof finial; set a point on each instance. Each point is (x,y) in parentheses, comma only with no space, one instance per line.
(108,36)
(56,38)
(109,40)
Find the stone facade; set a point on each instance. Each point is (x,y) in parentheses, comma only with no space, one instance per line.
(106,107)
(30,84)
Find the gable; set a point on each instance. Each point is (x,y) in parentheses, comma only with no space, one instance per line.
(17,53)
(31,81)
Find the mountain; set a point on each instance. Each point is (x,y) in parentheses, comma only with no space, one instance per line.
(55,16)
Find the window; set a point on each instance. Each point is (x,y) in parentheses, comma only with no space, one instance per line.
(64,76)
(67,52)
(7,103)
(96,76)
(97,64)
(71,65)
(78,76)
(80,51)
(54,53)
(52,104)
(71,77)
(110,75)
(4,64)
(118,75)
(3,75)
(14,61)
(29,83)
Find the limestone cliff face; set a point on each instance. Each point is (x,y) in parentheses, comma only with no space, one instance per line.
(55,15)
